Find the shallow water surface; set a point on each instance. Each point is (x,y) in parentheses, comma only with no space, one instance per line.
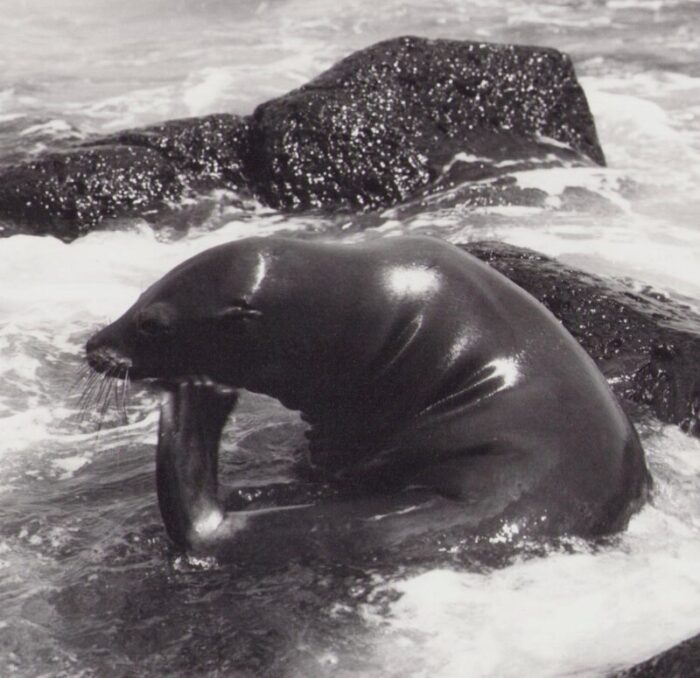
(88,583)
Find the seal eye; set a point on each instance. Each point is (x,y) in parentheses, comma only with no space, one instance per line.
(152,327)
(155,321)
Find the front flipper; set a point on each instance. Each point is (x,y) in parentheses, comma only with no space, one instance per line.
(192,418)
(318,524)
(465,494)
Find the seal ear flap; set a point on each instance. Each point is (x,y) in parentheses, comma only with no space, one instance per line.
(238,309)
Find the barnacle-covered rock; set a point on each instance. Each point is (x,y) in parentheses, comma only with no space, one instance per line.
(206,151)
(410,113)
(393,121)
(66,194)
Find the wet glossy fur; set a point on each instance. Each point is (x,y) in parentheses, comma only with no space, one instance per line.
(428,380)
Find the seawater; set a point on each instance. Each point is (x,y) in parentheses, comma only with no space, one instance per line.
(88,584)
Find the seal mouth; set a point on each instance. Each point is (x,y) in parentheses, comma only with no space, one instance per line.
(112,373)
(113,364)
(201,382)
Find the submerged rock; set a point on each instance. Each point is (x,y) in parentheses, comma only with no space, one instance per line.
(647,346)
(392,121)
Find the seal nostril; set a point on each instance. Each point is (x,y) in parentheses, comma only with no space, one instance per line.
(91,345)
(109,360)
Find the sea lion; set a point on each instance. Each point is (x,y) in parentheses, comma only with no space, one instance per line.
(438,393)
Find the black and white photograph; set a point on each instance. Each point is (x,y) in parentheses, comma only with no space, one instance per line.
(345,339)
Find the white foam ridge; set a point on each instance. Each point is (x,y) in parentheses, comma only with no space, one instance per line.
(586,612)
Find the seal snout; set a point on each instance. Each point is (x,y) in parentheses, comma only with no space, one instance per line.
(106,359)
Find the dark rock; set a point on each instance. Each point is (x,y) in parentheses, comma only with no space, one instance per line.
(67,194)
(397,120)
(646,345)
(205,152)
(387,121)
(129,173)
(681,661)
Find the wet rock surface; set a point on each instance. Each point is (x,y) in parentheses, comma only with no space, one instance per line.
(681,661)
(388,121)
(647,346)
(207,151)
(67,194)
(400,118)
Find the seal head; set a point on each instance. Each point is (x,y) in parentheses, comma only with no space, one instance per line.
(180,325)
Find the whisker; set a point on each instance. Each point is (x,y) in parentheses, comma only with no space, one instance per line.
(125,397)
(84,372)
(99,392)
(104,383)
(87,398)
(109,388)
(85,380)
(89,380)
(90,386)
(117,397)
